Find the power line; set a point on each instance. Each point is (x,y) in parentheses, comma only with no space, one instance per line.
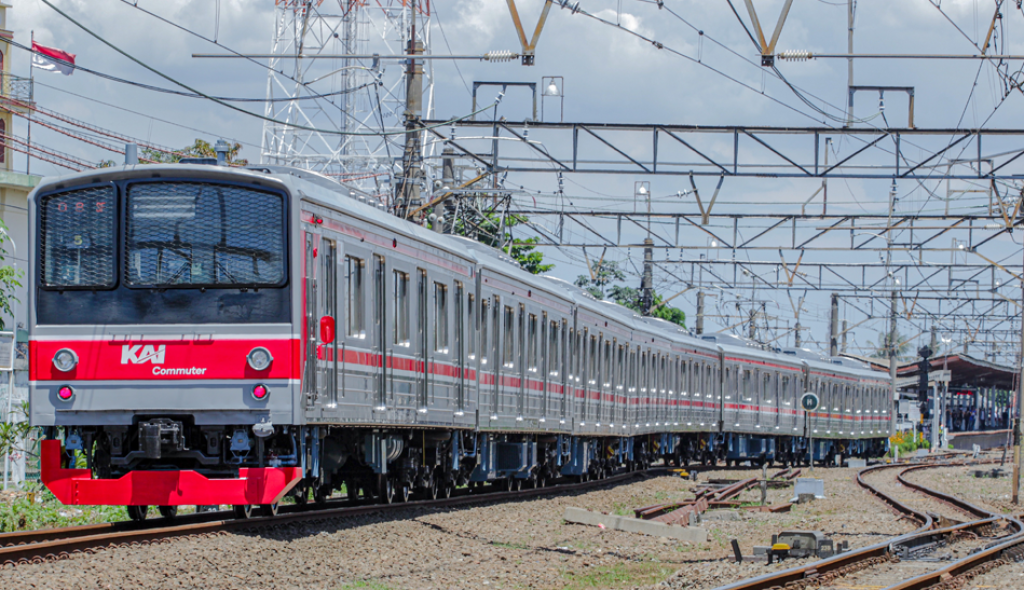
(244,111)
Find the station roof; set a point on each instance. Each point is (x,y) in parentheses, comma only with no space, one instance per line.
(967,371)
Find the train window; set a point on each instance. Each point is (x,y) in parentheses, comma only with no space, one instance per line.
(401,311)
(532,355)
(684,374)
(470,311)
(485,306)
(203,234)
(592,361)
(620,367)
(440,318)
(554,350)
(78,244)
(496,330)
(508,353)
(354,268)
(606,365)
(643,372)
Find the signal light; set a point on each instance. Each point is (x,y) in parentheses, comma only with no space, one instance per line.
(260,392)
(259,358)
(65,393)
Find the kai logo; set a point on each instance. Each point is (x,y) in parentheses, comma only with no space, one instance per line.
(139,354)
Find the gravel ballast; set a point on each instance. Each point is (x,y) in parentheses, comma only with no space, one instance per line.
(521,544)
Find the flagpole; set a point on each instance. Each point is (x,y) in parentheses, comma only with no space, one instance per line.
(32,85)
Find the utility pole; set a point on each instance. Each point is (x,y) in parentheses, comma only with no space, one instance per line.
(851,7)
(700,312)
(833,346)
(796,335)
(842,347)
(753,327)
(647,282)
(892,365)
(1016,417)
(412,175)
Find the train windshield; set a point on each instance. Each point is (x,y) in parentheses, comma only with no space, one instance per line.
(78,229)
(203,234)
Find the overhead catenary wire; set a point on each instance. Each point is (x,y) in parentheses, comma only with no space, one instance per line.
(101,39)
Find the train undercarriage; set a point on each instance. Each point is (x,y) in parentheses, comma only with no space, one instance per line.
(167,461)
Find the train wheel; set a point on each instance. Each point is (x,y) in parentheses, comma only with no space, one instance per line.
(302,497)
(320,494)
(268,509)
(541,481)
(433,487)
(168,511)
(510,484)
(243,511)
(138,513)
(352,490)
(447,489)
(404,492)
(385,489)
(519,484)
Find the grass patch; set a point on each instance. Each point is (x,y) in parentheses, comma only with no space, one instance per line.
(366,585)
(620,575)
(620,509)
(511,545)
(40,509)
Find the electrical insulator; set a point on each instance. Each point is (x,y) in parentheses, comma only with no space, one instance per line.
(500,56)
(796,55)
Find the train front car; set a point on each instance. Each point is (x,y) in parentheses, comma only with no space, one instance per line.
(163,348)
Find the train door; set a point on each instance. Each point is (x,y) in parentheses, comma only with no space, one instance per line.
(421,366)
(458,348)
(326,287)
(309,373)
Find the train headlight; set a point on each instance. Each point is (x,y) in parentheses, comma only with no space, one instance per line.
(260,392)
(65,393)
(65,360)
(259,358)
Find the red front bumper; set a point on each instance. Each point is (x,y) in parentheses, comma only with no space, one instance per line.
(265,485)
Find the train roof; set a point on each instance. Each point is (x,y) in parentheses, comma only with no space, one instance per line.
(307,184)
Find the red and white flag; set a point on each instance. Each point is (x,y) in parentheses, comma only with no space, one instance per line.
(52,60)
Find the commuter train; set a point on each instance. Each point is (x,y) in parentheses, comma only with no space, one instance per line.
(209,335)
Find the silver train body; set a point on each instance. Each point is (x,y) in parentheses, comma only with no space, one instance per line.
(259,325)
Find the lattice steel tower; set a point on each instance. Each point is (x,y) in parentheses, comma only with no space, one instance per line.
(357,95)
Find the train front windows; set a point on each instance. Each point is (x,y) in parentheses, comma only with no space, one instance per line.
(356,320)
(401,311)
(200,234)
(440,318)
(78,229)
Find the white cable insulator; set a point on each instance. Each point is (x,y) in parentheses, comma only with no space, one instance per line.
(501,55)
(796,55)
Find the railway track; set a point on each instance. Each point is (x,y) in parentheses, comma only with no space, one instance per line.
(988,539)
(52,544)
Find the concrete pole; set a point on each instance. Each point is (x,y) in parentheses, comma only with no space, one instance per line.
(1015,496)
(753,328)
(842,346)
(700,312)
(892,365)
(833,346)
(647,281)
(409,187)
(849,61)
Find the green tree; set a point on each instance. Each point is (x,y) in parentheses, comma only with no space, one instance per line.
(903,346)
(199,149)
(630,297)
(490,230)
(9,280)
(602,274)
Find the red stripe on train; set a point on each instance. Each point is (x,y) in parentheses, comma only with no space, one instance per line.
(162,360)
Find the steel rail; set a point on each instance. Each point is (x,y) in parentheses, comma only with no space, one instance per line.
(50,544)
(866,556)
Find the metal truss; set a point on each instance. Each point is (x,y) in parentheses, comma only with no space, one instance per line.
(766,264)
(739,151)
(358,96)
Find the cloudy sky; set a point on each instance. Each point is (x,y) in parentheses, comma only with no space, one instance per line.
(707,72)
